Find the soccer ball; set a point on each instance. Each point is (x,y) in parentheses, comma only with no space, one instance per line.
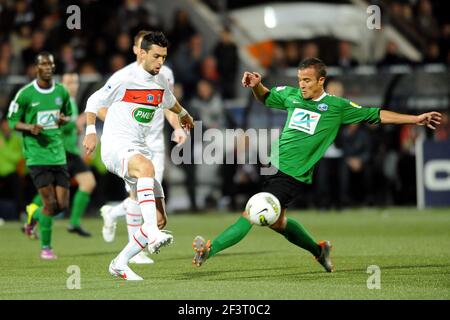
(263,209)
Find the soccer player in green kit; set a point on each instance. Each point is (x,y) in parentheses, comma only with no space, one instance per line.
(38,110)
(313,121)
(76,166)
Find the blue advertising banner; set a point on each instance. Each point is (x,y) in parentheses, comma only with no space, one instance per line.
(433,173)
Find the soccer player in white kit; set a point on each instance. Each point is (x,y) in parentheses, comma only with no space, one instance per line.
(155,142)
(124,146)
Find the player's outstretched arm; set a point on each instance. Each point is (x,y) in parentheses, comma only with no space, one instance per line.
(429,119)
(253,80)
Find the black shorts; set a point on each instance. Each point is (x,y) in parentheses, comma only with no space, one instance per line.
(43,176)
(75,164)
(284,187)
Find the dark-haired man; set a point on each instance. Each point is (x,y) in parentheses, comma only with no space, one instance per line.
(132,102)
(78,170)
(313,121)
(38,110)
(155,141)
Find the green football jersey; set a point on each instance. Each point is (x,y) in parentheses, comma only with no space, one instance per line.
(70,132)
(310,128)
(34,105)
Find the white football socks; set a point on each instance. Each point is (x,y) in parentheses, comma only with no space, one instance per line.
(134,217)
(147,205)
(146,199)
(139,241)
(119,210)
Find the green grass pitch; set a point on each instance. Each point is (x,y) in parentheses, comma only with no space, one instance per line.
(411,248)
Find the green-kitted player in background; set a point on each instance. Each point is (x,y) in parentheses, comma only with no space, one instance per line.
(38,110)
(313,121)
(75,164)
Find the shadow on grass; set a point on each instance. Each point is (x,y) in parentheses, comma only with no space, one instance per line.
(222,255)
(280,273)
(92,254)
(178,258)
(263,273)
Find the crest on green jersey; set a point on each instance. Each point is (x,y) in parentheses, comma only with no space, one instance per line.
(322,107)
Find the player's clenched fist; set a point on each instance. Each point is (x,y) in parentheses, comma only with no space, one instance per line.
(251,79)
(187,122)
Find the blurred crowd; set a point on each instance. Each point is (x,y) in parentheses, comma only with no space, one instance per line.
(102,45)
(205,80)
(423,22)
(427,24)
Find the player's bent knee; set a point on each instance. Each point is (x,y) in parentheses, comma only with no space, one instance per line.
(147,169)
(141,167)
(90,184)
(50,207)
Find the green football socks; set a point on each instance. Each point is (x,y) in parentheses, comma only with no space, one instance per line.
(232,235)
(294,232)
(297,234)
(80,203)
(45,228)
